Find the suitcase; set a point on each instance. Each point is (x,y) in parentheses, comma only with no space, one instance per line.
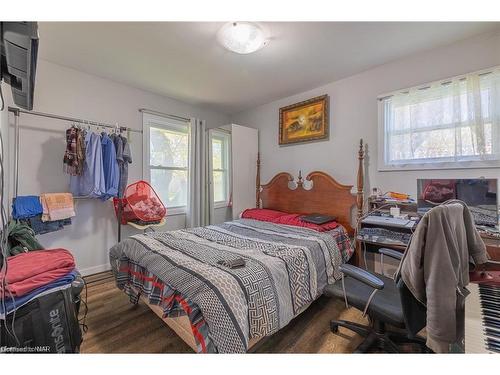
(47,324)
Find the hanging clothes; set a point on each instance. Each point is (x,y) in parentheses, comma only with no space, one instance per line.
(110,167)
(91,183)
(104,168)
(74,156)
(124,158)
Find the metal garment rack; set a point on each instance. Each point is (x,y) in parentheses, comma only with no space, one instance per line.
(17,112)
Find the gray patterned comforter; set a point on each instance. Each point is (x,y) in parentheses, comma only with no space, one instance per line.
(286,269)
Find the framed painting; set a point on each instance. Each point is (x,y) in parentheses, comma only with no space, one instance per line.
(305,121)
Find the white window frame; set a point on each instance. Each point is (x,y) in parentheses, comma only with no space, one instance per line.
(226,160)
(160,122)
(414,165)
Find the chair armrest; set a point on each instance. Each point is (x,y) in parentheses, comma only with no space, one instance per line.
(362,275)
(391,253)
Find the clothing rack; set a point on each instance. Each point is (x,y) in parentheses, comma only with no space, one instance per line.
(17,112)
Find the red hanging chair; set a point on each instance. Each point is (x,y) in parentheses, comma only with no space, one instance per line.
(140,204)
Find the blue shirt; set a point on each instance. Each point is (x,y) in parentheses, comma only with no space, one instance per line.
(110,167)
(91,183)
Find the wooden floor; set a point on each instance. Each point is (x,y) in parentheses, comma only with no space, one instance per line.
(116,326)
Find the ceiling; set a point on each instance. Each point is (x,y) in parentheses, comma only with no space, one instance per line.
(183,60)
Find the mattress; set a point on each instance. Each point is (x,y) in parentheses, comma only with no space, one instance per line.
(286,268)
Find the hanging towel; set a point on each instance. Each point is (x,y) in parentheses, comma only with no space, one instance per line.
(24,207)
(57,206)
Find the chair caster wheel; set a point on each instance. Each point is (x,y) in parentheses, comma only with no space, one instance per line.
(334,327)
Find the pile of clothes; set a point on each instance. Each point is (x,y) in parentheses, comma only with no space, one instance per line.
(21,239)
(32,275)
(47,213)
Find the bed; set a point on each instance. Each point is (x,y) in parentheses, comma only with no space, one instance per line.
(218,309)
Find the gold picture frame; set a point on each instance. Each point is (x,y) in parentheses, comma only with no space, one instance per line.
(305,121)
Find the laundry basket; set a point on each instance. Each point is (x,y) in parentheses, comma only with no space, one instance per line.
(140,204)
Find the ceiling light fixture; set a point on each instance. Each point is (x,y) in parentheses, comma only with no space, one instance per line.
(242,37)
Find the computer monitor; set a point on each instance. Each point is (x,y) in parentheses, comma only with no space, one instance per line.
(479,194)
(18,58)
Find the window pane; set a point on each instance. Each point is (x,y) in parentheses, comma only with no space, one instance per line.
(217,153)
(443,122)
(434,144)
(171,186)
(168,148)
(219,186)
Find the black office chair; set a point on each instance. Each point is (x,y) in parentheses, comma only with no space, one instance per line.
(385,301)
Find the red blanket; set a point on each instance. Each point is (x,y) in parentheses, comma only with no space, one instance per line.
(278,217)
(31,270)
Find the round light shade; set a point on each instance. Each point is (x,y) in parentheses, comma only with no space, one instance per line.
(242,37)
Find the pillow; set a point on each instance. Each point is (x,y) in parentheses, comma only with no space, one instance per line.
(295,220)
(317,218)
(261,214)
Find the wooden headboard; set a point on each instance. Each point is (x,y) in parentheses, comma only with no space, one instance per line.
(325,196)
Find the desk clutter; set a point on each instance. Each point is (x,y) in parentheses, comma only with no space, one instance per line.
(385,229)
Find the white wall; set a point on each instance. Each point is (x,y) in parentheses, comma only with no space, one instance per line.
(245,148)
(69,92)
(353,115)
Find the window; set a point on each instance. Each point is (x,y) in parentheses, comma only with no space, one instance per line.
(451,124)
(166,159)
(220,168)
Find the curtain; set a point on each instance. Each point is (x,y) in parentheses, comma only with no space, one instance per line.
(453,121)
(198,209)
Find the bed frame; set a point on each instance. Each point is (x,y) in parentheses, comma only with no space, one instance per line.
(321,194)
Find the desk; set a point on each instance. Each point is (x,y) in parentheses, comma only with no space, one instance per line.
(492,246)
(374,246)
(492,243)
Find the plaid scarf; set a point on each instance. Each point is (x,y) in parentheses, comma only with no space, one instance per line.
(74,155)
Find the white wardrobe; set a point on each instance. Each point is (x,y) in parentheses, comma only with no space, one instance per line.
(244,146)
